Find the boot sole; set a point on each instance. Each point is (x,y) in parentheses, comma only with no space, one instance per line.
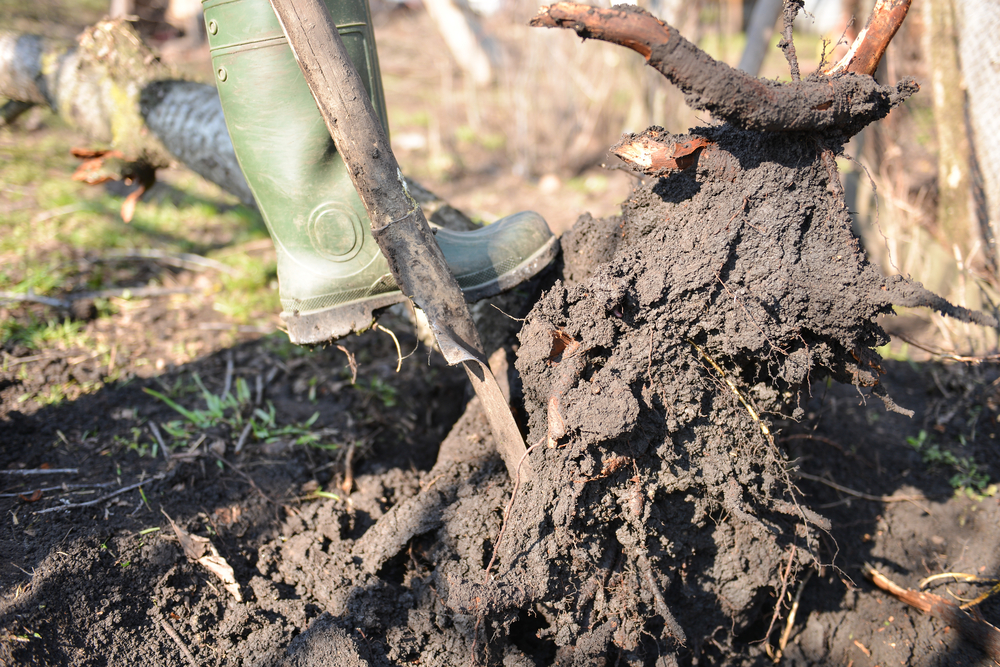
(320,326)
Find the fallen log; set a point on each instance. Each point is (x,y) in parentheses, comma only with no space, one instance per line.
(111,86)
(114,89)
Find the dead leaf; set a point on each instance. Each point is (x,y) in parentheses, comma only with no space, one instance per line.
(218,566)
(202,551)
(227,516)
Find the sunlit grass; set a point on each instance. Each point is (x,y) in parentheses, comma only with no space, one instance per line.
(52,221)
(37,334)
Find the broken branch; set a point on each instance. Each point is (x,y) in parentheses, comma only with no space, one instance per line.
(873,40)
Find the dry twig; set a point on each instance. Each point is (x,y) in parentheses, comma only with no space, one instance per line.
(859,494)
(169,629)
(90,503)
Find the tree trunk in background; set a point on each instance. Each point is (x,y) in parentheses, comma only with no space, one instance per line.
(463,37)
(954,213)
(979,48)
(759,32)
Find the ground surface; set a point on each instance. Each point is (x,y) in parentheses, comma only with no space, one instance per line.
(90,587)
(636,531)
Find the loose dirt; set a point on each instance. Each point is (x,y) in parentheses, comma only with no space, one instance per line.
(698,376)
(679,370)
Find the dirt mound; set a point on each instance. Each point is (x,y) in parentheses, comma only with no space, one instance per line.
(662,510)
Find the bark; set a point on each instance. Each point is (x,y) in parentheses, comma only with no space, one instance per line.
(869,46)
(658,153)
(187,118)
(954,213)
(843,104)
(111,87)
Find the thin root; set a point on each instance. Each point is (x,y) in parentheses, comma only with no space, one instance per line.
(399,352)
(732,385)
(506,512)
(352,362)
(966,578)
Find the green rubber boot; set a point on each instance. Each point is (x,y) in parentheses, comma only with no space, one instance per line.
(332,276)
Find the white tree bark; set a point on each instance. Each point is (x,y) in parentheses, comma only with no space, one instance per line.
(759,32)
(460,34)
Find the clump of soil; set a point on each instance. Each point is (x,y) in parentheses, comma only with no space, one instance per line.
(661,375)
(657,525)
(661,511)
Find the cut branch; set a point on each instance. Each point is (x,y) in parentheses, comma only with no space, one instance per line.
(873,40)
(844,103)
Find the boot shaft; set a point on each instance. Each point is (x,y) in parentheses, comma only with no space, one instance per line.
(332,276)
(318,222)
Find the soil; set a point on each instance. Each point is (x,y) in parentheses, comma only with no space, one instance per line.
(658,530)
(697,379)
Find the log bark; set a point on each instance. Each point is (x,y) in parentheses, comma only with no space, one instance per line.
(184,119)
(844,104)
(111,87)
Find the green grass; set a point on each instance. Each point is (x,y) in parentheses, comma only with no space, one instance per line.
(38,334)
(53,220)
(967,478)
(234,413)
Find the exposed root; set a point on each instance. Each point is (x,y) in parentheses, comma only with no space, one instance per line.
(975,630)
(781,595)
(670,624)
(506,513)
(969,579)
(744,400)
(787,46)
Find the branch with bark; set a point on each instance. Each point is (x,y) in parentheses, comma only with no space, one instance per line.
(844,104)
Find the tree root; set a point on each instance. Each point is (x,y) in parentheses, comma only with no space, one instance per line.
(976,631)
(844,103)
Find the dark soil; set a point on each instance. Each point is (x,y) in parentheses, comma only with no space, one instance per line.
(697,379)
(682,371)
